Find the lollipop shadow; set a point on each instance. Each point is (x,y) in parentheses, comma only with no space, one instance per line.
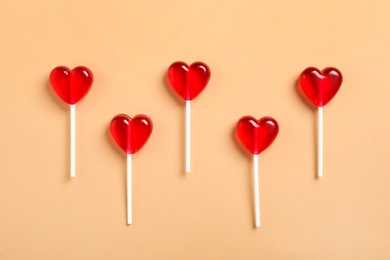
(181,103)
(55,97)
(303,97)
(313,108)
(172,92)
(113,144)
(124,160)
(250,180)
(239,145)
(65,107)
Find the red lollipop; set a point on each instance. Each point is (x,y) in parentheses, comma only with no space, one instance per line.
(130,134)
(71,86)
(256,136)
(320,87)
(188,82)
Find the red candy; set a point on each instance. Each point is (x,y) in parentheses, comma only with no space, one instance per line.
(129,133)
(190,81)
(71,85)
(257,135)
(320,86)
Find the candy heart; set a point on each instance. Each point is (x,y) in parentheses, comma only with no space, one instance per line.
(71,85)
(257,135)
(129,133)
(190,81)
(320,86)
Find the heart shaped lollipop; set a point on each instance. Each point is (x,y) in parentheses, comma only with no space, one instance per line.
(71,85)
(256,136)
(188,82)
(130,134)
(320,86)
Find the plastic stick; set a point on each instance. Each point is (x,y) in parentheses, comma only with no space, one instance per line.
(129,190)
(256,188)
(188,135)
(320,141)
(72,141)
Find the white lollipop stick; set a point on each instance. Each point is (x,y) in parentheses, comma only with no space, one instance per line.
(129,190)
(188,135)
(320,141)
(256,188)
(72,141)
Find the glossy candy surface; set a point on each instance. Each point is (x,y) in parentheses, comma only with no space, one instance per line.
(188,81)
(256,135)
(131,134)
(71,85)
(320,86)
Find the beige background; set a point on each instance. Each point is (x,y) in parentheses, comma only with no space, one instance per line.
(256,50)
